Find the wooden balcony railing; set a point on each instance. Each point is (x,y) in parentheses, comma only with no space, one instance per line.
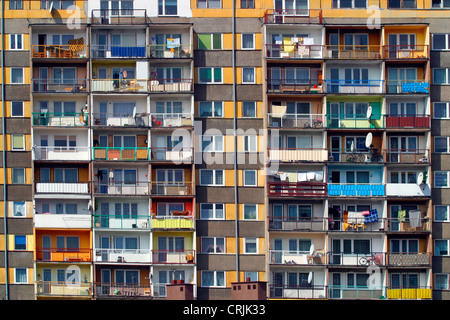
(121,154)
(171,85)
(297,189)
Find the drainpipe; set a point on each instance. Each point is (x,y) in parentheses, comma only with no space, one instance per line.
(4,156)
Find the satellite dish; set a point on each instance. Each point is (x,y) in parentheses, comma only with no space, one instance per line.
(369,111)
(420,178)
(368,140)
(310,277)
(51,7)
(134,112)
(352,147)
(311,249)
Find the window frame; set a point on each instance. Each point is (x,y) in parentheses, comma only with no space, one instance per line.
(447,76)
(22,109)
(441,255)
(447,110)
(17,203)
(447,144)
(16,36)
(163,6)
(447,213)
(15,275)
(214,245)
(254,75)
(434,179)
(214,210)
(15,242)
(244,178)
(11,76)
(447,41)
(251,241)
(246,205)
(438,287)
(441,5)
(253,38)
(212,81)
(215,273)
(211,39)
(338,2)
(214,182)
(250,4)
(24,175)
(213,105)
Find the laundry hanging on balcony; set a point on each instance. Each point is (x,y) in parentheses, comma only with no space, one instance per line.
(370,216)
(288,47)
(415,219)
(401,215)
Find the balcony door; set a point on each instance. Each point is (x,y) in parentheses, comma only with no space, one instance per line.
(404,280)
(106,281)
(397,76)
(397,219)
(335,143)
(46,248)
(278,280)
(292,7)
(104,244)
(47,278)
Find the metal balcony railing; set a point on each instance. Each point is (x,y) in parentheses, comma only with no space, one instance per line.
(356,259)
(410,86)
(306,291)
(119,85)
(297,223)
(62,187)
(173,222)
(363,224)
(103,51)
(359,156)
(171,120)
(60,119)
(290,257)
(173,256)
(409,225)
(171,51)
(119,16)
(353,52)
(355,86)
(413,51)
(121,154)
(55,288)
(407,121)
(60,86)
(296,120)
(171,85)
(354,121)
(294,51)
(297,189)
(67,51)
(281,16)
(122,221)
(129,188)
(61,153)
(420,292)
(175,154)
(402,259)
(64,254)
(304,86)
(357,190)
(407,155)
(104,289)
(175,188)
(297,154)
(356,292)
(121,119)
(122,255)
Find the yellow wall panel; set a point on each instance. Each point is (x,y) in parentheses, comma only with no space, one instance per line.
(230,213)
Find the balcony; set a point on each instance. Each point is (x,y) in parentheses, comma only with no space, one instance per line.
(173,256)
(122,222)
(136,188)
(308,291)
(369,223)
(354,86)
(409,294)
(129,52)
(49,119)
(353,52)
(297,189)
(288,16)
(291,154)
(295,120)
(400,259)
(119,85)
(171,51)
(67,51)
(401,122)
(171,85)
(357,121)
(356,190)
(357,259)
(59,86)
(175,154)
(408,190)
(62,187)
(119,16)
(173,222)
(356,292)
(410,225)
(62,221)
(346,156)
(62,153)
(403,52)
(165,120)
(122,255)
(122,290)
(285,257)
(306,86)
(294,51)
(407,86)
(63,255)
(162,188)
(121,120)
(63,289)
(297,223)
(121,154)
(412,156)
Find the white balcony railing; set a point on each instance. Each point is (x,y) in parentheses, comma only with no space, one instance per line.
(122,255)
(61,153)
(62,221)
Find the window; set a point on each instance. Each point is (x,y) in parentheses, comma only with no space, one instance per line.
(210,41)
(209,4)
(249,109)
(248,75)
(17,109)
(399,4)
(170,176)
(252,275)
(299,279)
(210,75)
(250,143)
(66,208)
(441,247)
(20,242)
(212,211)
(248,41)
(19,209)
(69,175)
(349,4)
(404,246)
(18,142)
(63,4)
(357,177)
(62,39)
(441,76)
(297,75)
(18,175)
(213,278)
(250,245)
(402,109)
(250,212)
(166,209)
(167,7)
(440,41)
(250,178)
(441,110)
(441,281)
(440,4)
(212,143)
(441,179)
(64,75)
(357,110)
(403,177)
(299,212)
(359,144)
(15,4)
(358,280)
(299,246)
(211,109)
(20,275)
(441,144)
(213,245)
(441,213)
(67,244)
(16,41)
(356,76)
(127,276)
(17,76)
(356,41)
(211,177)
(247,4)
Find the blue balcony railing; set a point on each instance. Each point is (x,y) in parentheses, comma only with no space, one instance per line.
(356,190)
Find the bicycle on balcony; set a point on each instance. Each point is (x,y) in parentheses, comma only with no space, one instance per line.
(374,259)
(317,123)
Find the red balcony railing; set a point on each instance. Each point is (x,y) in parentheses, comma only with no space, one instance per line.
(399,121)
(280,16)
(297,189)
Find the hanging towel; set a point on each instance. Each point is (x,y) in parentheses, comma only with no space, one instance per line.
(301,177)
(283,176)
(353,217)
(292,176)
(278,40)
(311,176)
(308,41)
(414,218)
(288,47)
(401,215)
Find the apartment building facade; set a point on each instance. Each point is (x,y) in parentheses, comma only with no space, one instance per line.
(297,143)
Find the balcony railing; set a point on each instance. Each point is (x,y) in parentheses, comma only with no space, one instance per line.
(353,52)
(61,153)
(173,222)
(297,189)
(119,85)
(171,120)
(405,121)
(356,190)
(67,51)
(134,188)
(297,223)
(416,51)
(354,86)
(171,85)
(60,86)
(346,156)
(176,155)
(296,120)
(173,256)
(408,190)
(304,86)
(65,119)
(103,51)
(171,51)
(353,121)
(104,289)
(121,120)
(122,255)
(294,51)
(286,257)
(131,221)
(308,291)
(64,254)
(79,187)
(47,220)
(412,156)
(407,86)
(182,188)
(121,154)
(362,224)
(409,225)
(280,16)
(399,259)
(357,259)
(296,154)
(356,292)
(55,288)
(410,293)
(119,16)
